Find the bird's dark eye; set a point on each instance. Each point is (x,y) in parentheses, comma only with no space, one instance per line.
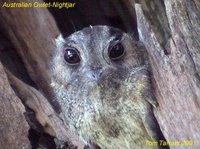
(117,51)
(72,56)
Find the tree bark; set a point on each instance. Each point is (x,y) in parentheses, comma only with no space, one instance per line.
(169,29)
(174,51)
(12,120)
(32,32)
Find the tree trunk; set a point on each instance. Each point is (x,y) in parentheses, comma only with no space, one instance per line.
(12,120)
(172,38)
(169,29)
(31,32)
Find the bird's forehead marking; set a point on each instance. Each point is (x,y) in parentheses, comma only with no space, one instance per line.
(96,34)
(94,39)
(91,26)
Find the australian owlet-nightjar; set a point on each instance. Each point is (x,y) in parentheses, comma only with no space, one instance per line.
(101,81)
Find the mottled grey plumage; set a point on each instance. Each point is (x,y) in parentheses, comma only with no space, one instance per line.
(108,102)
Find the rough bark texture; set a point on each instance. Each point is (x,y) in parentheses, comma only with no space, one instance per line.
(174,53)
(170,30)
(44,113)
(12,120)
(25,28)
(31,32)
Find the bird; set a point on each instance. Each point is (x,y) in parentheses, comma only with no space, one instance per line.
(101,79)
